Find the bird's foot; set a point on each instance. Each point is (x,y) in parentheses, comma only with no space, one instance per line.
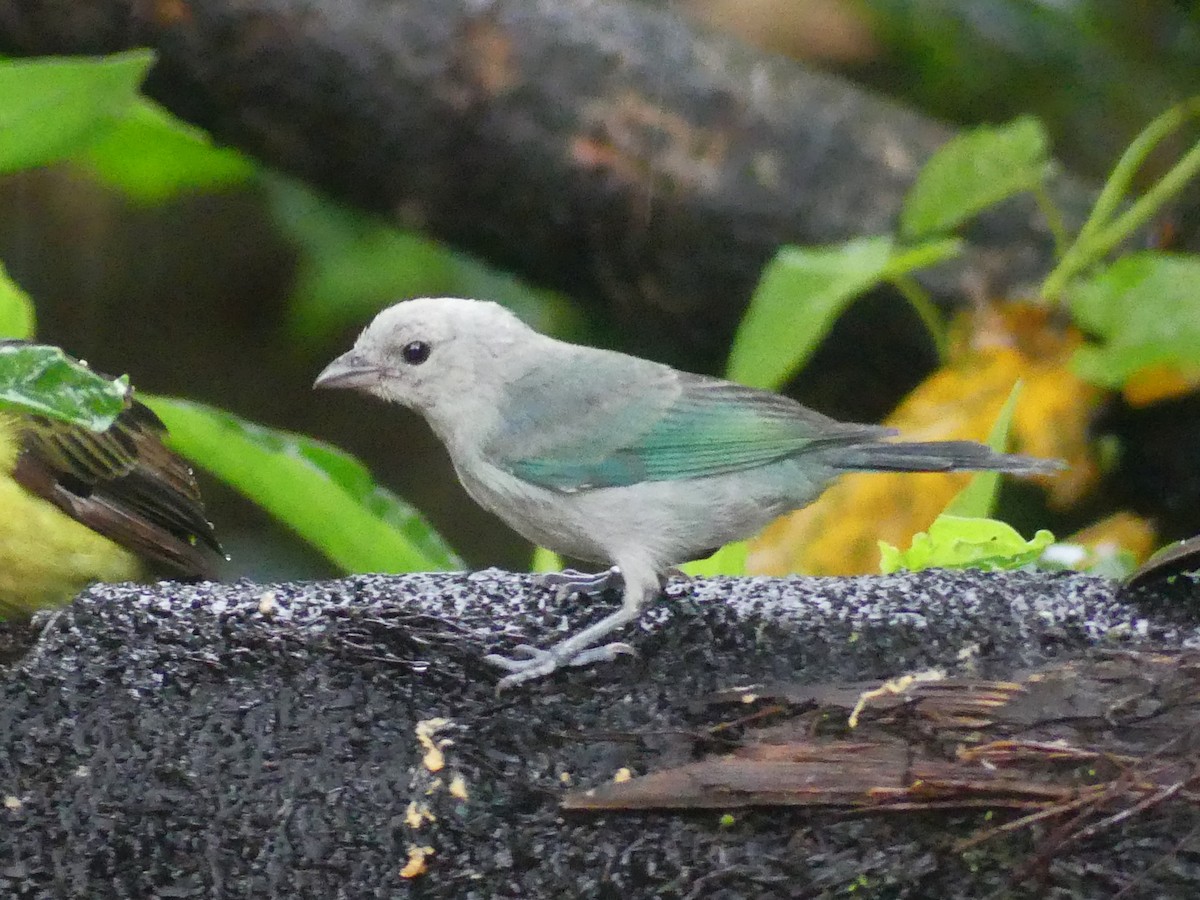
(570,581)
(537,663)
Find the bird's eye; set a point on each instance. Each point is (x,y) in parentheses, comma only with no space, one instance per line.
(415,352)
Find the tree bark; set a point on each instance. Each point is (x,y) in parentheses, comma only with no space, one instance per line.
(344,739)
(610,150)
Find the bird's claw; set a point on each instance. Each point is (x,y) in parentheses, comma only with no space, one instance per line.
(606,653)
(571,581)
(537,663)
(531,655)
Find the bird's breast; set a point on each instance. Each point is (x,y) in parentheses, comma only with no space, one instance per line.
(549,518)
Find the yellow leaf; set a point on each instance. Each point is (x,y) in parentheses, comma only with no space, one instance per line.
(990,351)
(1120,531)
(1159,382)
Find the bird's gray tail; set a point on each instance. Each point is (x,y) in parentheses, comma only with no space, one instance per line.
(939,456)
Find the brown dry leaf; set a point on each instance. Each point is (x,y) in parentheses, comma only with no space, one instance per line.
(1171,561)
(991,349)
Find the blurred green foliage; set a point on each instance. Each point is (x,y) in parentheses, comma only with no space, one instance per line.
(352,265)
(1140,309)
(799,297)
(51,107)
(973,171)
(17,318)
(803,290)
(1094,70)
(150,156)
(88,111)
(1144,311)
(321,493)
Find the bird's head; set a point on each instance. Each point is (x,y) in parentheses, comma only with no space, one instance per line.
(430,352)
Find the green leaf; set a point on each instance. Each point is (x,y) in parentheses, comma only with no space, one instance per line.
(800,295)
(323,494)
(41,380)
(545,561)
(905,260)
(51,107)
(899,273)
(972,172)
(16,309)
(955,542)
(729,560)
(1145,310)
(151,156)
(978,498)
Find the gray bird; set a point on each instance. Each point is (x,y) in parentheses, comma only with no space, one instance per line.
(611,458)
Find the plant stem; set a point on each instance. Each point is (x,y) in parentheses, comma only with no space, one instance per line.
(926,310)
(1098,236)
(1054,219)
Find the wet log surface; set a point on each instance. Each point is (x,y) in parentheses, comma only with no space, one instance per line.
(343,739)
(611,150)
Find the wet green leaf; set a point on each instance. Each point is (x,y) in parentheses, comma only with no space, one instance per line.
(956,542)
(51,107)
(973,171)
(42,380)
(323,494)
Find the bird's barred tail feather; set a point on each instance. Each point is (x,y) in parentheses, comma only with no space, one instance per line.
(939,456)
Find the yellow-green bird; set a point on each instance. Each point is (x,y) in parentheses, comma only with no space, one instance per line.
(78,506)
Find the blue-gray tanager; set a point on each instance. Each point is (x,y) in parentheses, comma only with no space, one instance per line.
(611,458)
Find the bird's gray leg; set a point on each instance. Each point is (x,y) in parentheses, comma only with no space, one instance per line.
(569,581)
(642,583)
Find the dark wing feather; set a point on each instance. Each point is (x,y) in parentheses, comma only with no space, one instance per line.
(124,484)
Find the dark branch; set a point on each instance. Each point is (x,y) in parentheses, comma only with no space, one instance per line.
(608,149)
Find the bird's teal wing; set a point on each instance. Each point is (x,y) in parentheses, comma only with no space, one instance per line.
(619,427)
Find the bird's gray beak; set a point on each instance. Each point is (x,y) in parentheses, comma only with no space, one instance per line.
(350,370)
